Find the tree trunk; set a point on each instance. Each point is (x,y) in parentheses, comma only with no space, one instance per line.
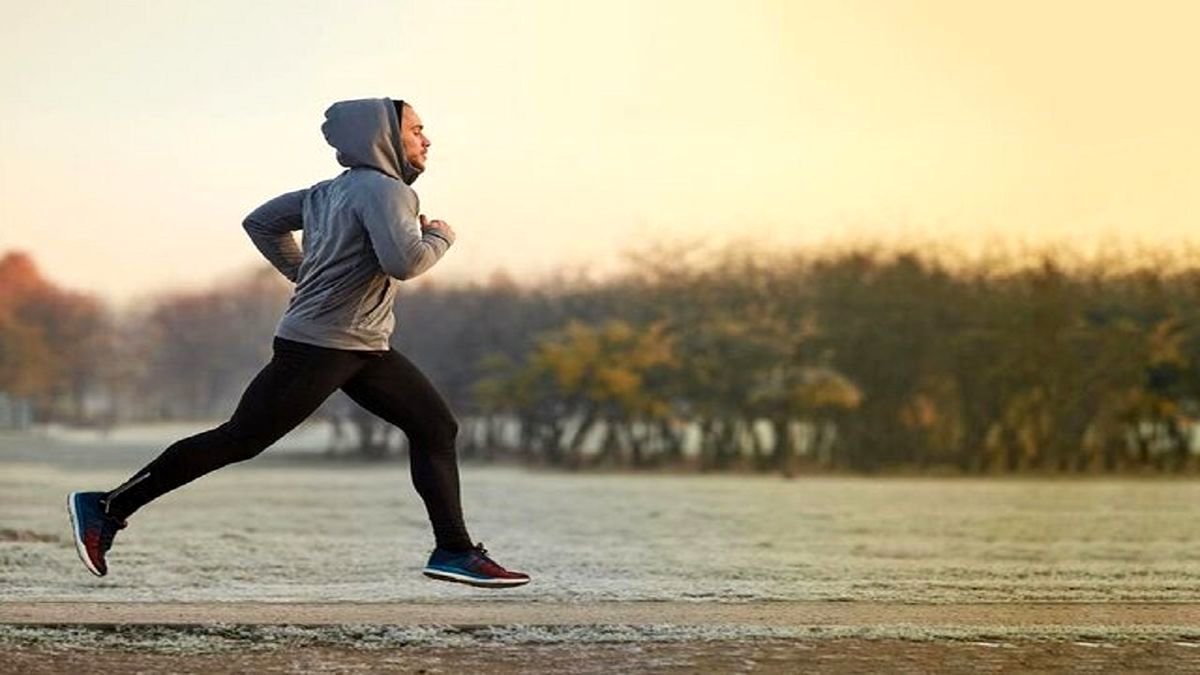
(708,443)
(672,443)
(784,451)
(608,447)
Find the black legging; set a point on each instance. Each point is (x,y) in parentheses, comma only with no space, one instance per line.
(291,387)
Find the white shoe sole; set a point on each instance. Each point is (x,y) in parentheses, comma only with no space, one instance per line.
(442,575)
(79,547)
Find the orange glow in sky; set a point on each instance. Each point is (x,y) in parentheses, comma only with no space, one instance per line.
(137,135)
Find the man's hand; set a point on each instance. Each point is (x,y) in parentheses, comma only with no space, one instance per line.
(435,224)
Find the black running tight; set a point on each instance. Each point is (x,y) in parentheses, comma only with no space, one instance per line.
(291,387)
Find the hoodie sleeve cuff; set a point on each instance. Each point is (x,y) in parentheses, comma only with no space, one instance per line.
(445,235)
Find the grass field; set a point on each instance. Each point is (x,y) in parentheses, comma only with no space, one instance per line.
(288,527)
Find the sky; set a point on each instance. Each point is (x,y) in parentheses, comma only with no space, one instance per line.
(137,135)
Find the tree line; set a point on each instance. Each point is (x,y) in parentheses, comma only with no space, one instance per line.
(862,359)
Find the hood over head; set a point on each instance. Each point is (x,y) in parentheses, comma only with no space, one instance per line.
(366,133)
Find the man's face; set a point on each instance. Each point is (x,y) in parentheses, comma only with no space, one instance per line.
(412,138)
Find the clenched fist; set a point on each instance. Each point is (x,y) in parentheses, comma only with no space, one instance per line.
(427,224)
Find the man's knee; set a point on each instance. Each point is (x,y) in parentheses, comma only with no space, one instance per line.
(441,435)
(447,432)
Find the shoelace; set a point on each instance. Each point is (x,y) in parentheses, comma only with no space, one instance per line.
(482,552)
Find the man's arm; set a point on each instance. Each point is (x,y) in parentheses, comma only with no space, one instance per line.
(403,249)
(270,227)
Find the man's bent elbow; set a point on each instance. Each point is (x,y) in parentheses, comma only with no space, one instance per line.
(398,273)
(407,270)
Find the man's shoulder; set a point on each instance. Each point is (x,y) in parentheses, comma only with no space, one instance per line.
(363,176)
(371,185)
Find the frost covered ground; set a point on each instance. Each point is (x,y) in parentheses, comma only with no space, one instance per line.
(291,527)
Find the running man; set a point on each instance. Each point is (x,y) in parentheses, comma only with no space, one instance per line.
(363,234)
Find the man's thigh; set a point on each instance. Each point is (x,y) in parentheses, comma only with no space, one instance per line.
(290,388)
(393,388)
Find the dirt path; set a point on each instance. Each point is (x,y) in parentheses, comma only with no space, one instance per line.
(1112,615)
(56,637)
(768,656)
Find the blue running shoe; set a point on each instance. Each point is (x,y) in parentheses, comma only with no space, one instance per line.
(92,529)
(472,567)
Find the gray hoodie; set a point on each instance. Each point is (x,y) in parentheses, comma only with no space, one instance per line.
(362,234)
